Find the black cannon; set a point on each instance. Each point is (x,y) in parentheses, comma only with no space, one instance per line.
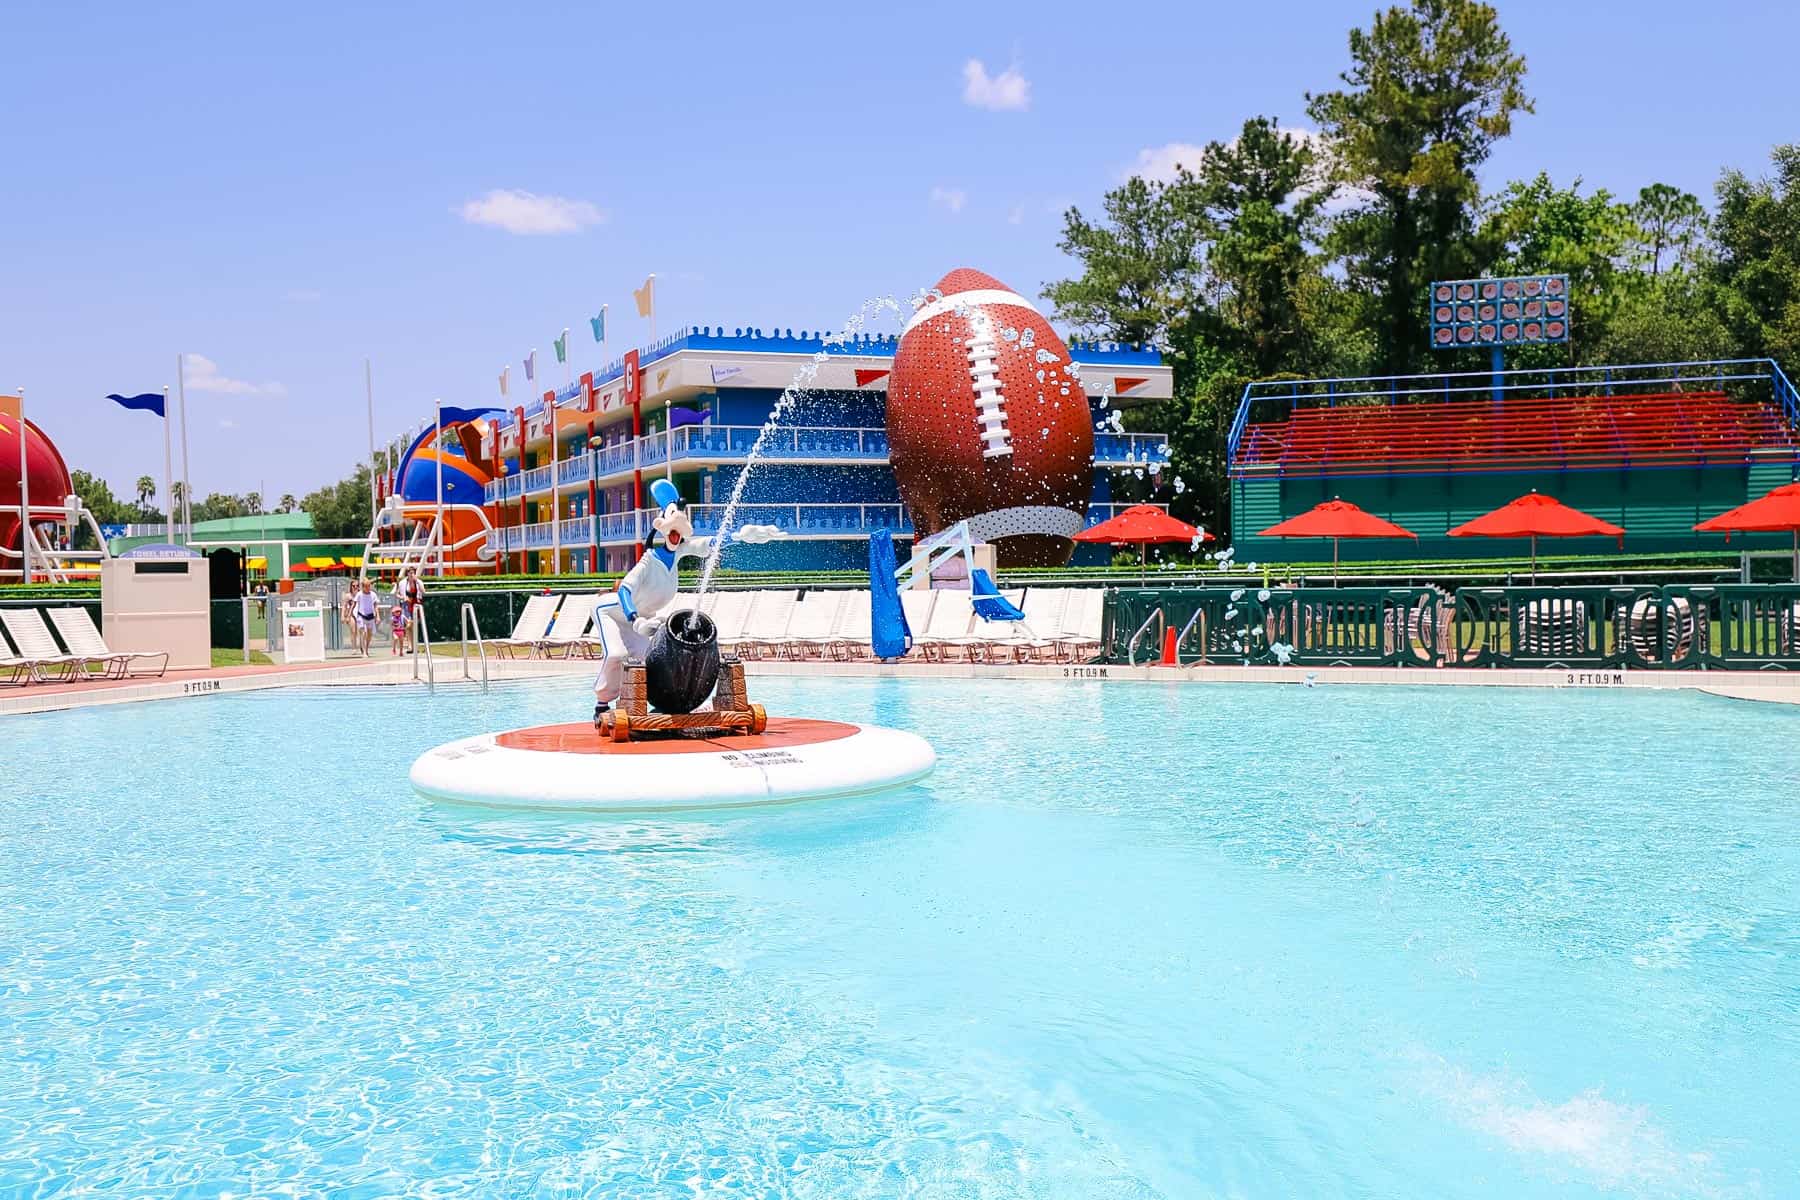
(682,666)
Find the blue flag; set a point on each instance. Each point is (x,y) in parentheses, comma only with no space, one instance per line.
(143,401)
(599,324)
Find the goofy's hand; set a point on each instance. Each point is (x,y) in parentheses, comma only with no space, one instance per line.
(756,535)
(647,626)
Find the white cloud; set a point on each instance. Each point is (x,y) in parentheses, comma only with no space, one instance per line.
(949,199)
(524,212)
(1008,91)
(1158,163)
(1016,216)
(201,374)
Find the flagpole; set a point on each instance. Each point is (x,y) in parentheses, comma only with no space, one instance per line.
(438,456)
(24,500)
(168,476)
(653,308)
(369,393)
(187,484)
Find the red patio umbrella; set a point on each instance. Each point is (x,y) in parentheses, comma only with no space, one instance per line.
(1777,512)
(1337,519)
(1535,515)
(1142,525)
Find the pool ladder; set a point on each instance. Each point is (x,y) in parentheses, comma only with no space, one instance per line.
(469,618)
(1161,621)
(422,648)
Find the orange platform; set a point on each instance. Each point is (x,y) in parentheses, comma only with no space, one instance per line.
(580,738)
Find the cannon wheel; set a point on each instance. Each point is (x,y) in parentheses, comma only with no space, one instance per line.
(621,727)
(759,718)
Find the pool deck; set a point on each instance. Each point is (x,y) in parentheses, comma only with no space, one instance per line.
(1774,686)
(207,681)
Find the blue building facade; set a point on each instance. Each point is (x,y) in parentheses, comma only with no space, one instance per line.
(571,465)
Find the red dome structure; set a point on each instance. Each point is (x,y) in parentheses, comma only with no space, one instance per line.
(987,422)
(47,475)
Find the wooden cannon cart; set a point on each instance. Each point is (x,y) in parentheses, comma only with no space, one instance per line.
(731,712)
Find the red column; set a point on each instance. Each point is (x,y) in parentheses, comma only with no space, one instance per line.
(633,391)
(524,519)
(589,402)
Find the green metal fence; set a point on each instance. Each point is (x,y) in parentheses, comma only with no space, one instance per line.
(1638,627)
(1388,627)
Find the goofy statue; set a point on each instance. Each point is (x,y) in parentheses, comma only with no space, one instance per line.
(627,620)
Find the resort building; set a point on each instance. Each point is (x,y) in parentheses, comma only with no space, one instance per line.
(691,407)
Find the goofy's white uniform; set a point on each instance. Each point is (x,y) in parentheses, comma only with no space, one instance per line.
(626,620)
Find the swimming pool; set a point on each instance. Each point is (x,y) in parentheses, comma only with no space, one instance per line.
(1130,940)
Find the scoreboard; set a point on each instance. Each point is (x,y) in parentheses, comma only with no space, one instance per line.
(1522,310)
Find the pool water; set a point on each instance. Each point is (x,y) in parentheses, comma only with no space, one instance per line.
(1129,941)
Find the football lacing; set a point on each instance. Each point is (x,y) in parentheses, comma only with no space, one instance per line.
(990,405)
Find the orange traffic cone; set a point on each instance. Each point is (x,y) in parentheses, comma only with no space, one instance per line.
(1168,654)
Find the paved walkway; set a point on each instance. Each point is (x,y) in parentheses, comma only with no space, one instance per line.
(1776,686)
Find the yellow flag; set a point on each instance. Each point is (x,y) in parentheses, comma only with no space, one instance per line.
(645,297)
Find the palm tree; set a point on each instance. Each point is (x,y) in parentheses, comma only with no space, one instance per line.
(146,488)
(288,503)
(253,504)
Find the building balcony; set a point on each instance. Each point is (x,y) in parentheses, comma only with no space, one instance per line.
(1127,450)
(720,445)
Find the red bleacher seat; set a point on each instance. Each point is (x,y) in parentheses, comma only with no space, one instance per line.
(1665,429)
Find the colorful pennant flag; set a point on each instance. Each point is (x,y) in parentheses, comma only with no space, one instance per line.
(645,297)
(142,402)
(599,325)
(503,371)
(562,347)
(531,365)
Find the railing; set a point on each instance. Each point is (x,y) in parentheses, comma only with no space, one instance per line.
(1162,623)
(811,521)
(1131,449)
(1642,627)
(1302,626)
(796,444)
(422,648)
(808,520)
(576,470)
(468,618)
(622,528)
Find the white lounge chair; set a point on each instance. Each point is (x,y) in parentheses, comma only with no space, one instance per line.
(1035,638)
(18,669)
(947,634)
(76,628)
(991,639)
(572,631)
(765,629)
(813,625)
(728,611)
(853,640)
(533,623)
(1083,619)
(38,649)
(916,604)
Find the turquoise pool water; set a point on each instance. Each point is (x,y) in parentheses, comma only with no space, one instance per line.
(1130,941)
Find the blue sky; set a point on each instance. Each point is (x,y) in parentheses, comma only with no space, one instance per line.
(284,192)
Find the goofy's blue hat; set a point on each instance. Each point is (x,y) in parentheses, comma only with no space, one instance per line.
(664,492)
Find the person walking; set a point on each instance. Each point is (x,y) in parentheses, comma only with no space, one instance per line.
(411,592)
(366,610)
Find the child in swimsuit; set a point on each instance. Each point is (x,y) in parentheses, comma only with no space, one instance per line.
(398,629)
